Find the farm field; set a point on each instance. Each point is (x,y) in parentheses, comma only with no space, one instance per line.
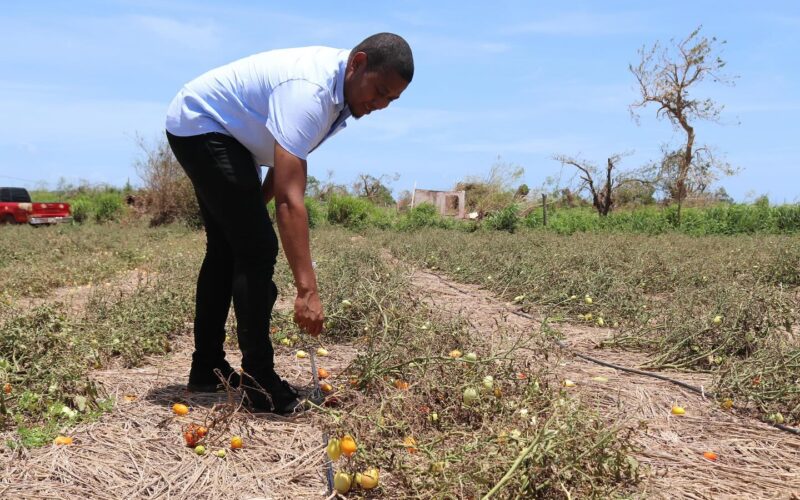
(96,344)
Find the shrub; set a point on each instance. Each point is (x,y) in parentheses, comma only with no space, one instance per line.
(314,209)
(534,218)
(506,219)
(786,218)
(354,213)
(108,207)
(168,192)
(81,209)
(573,220)
(423,215)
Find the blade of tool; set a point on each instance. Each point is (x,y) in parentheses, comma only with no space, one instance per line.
(317,392)
(315,373)
(328,464)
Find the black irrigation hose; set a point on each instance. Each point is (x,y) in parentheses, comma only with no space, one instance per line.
(564,345)
(698,390)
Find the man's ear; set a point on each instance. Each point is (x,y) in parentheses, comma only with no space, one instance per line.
(359,59)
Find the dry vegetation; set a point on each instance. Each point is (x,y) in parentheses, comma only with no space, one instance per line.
(434,424)
(662,295)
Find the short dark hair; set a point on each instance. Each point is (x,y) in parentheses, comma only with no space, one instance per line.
(387,51)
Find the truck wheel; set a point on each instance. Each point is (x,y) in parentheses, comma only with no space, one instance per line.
(8,219)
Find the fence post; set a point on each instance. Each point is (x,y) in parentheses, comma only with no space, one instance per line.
(544,209)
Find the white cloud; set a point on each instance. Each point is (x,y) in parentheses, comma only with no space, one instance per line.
(580,96)
(197,34)
(418,19)
(440,46)
(47,119)
(401,122)
(544,145)
(584,24)
(763,106)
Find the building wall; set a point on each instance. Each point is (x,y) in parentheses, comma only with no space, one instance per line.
(448,203)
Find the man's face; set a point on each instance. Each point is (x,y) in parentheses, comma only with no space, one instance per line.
(367,91)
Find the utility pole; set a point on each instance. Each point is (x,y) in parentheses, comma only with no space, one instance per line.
(544,209)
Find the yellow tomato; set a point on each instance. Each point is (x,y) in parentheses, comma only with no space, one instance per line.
(678,410)
(410,443)
(333,450)
(401,384)
(348,445)
(62,440)
(236,442)
(180,409)
(368,479)
(342,482)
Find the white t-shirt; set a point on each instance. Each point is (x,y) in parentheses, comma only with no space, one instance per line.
(292,96)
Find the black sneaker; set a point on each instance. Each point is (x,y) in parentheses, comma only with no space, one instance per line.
(304,400)
(202,377)
(282,397)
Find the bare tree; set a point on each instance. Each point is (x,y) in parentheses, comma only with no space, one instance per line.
(602,189)
(665,76)
(374,188)
(168,192)
(329,188)
(703,172)
(493,192)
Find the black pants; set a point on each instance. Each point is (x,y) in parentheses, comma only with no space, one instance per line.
(241,250)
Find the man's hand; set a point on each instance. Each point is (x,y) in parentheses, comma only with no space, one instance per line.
(308,312)
(289,184)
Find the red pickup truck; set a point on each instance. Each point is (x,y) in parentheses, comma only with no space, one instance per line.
(16,208)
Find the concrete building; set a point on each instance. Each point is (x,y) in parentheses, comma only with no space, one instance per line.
(449,203)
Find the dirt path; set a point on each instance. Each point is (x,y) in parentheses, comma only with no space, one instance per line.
(136,451)
(755,460)
(75,298)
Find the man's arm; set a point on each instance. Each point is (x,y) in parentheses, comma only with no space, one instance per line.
(289,186)
(267,188)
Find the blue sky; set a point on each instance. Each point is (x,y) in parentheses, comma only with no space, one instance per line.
(520,81)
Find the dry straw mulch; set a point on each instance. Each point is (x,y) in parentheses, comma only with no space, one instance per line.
(137,450)
(755,459)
